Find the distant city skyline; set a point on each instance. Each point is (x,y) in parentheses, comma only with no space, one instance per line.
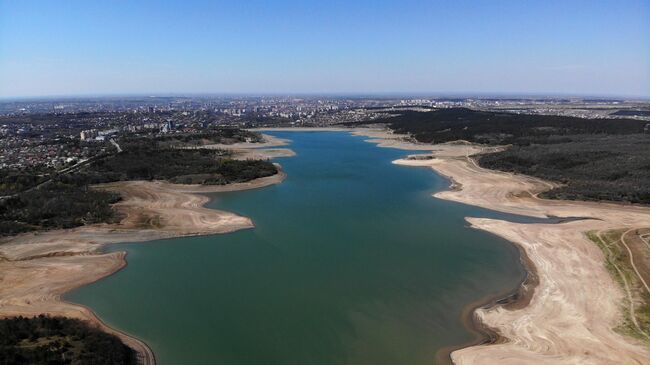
(432,48)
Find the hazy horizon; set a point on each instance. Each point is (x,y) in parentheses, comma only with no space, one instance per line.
(51,49)
(360,95)
(378,95)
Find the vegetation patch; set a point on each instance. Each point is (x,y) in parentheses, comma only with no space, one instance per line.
(590,167)
(593,159)
(147,162)
(58,204)
(636,303)
(446,125)
(47,340)
(35,200)
(213,136)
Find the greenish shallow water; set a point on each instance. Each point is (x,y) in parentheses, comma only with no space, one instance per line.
(351,261)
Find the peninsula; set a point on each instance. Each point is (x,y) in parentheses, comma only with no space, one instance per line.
(146,190)
(584,304)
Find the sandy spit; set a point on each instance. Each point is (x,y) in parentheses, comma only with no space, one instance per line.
(572,313)
(267,149)
(37,268)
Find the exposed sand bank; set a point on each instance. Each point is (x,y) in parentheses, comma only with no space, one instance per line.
(303,129)
(569,317)
(256,151)
(37,268)
(576,305)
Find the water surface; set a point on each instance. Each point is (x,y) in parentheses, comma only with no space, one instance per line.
(351,261)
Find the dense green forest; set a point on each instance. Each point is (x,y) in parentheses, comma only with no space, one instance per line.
(595,159)
(596,167)
(14,181)
(56,204)
(47,340)
(211,136)
(444,125)
(67,200)
(632,113)
(147,162)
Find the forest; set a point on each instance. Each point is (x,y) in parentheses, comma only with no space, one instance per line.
(56,204)
(593,159)
(141,161)
(45,340)
(452,124)
(219,135)
(597,167)
(68,200)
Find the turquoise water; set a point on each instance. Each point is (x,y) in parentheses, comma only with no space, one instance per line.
(351,261)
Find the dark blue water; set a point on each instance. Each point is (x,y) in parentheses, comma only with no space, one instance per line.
(351,261)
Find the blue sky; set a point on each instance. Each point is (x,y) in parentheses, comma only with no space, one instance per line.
(445,47)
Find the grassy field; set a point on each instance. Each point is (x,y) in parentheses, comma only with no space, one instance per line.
(627,254)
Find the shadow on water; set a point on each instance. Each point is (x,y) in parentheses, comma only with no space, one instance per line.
(351,261)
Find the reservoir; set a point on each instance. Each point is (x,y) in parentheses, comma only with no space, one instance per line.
(351,261)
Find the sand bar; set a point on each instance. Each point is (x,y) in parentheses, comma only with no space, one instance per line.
(267,149)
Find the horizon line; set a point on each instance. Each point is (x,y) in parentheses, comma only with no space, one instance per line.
(359,94)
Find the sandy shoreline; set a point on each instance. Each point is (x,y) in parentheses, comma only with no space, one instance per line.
(36,269)
(516,298)
(567,315)
(256,151)
(572,312)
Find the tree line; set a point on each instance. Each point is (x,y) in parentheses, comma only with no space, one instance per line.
(593,159)
(69,200)
(45,340)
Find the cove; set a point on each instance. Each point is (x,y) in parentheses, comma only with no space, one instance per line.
(351,261)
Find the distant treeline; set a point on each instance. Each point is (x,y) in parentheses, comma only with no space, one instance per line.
(629,112)
(445,125)
(595,159)
(145,162)
(47,340)
(67,200)
(219,135)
